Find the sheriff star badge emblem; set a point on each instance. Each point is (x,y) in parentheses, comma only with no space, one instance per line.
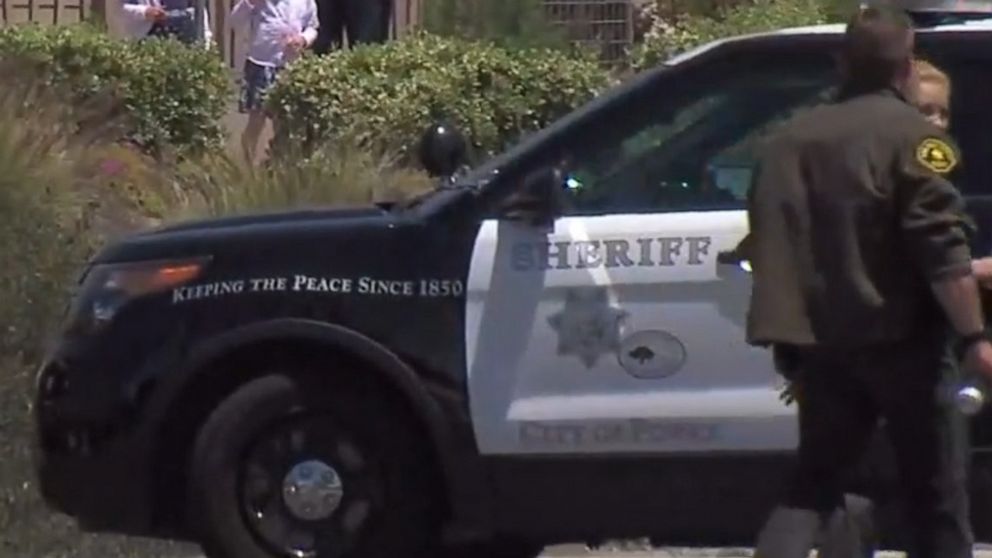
(588,326)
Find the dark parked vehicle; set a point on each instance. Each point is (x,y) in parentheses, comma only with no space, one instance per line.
(550,348)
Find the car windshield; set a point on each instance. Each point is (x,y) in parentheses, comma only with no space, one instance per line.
(668,134)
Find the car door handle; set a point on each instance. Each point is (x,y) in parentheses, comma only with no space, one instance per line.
(728,257)
(734,258)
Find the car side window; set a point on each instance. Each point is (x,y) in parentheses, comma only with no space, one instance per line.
(971,118)
(688,143)
(968,63)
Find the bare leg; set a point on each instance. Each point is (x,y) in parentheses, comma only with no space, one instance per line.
(251,134)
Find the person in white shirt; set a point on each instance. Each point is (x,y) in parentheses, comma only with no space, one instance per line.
(175,18)
(280,31)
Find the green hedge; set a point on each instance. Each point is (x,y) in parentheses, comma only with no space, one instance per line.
(667,37)
(43,218)
(385,95)
(518,23)
(175,94)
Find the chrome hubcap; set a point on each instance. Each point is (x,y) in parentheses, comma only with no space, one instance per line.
(312,490)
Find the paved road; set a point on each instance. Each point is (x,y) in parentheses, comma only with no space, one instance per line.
(574,552)
(571,551)
(577,551)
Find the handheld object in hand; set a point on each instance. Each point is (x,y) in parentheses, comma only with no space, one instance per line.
(179,22)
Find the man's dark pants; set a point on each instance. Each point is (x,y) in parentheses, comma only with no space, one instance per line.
(909,384)
(366,21)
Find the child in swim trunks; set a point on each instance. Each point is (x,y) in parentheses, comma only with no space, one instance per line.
(281,30)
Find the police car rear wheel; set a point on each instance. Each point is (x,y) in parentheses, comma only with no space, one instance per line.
(295,468)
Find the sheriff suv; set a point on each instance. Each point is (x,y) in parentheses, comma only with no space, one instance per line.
(549,348)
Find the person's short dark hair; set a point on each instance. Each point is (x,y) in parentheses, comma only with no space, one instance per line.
(878,46)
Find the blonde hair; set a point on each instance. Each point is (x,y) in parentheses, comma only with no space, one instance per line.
(928,73)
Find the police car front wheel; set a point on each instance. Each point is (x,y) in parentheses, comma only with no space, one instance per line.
(294,467)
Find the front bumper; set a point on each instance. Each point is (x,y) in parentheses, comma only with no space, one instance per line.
(91,464)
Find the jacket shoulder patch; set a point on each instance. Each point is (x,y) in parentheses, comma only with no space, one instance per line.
(935,154)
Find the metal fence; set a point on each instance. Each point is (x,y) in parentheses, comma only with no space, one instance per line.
(605,24)
(675,7)
(50,12)
(612,26)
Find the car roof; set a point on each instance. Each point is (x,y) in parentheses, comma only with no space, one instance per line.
(837,29)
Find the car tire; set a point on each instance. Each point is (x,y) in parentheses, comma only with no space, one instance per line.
(386,502)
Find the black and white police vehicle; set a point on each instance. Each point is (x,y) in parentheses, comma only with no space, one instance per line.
(507,363)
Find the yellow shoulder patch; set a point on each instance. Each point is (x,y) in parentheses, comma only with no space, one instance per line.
(936,155)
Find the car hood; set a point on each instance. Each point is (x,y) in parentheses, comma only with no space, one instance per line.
(270,218)
(248,232)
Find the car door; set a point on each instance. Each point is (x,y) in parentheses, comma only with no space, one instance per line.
(966,57)
(621,327)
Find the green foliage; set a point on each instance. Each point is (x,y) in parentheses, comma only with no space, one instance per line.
(667,38)
(520,23)
(175,94)
(66,184)
(839,10)
(337,174)
(43,219)
(384,96)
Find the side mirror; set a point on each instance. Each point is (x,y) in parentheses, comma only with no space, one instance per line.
(539,201)
(442,150)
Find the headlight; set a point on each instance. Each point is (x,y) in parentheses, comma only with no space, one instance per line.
(140,279)
(107,288)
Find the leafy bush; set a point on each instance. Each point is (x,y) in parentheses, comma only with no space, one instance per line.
(519,23)
(175,94)
(66,184)
(667,38)
(43,222)
(384,96)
